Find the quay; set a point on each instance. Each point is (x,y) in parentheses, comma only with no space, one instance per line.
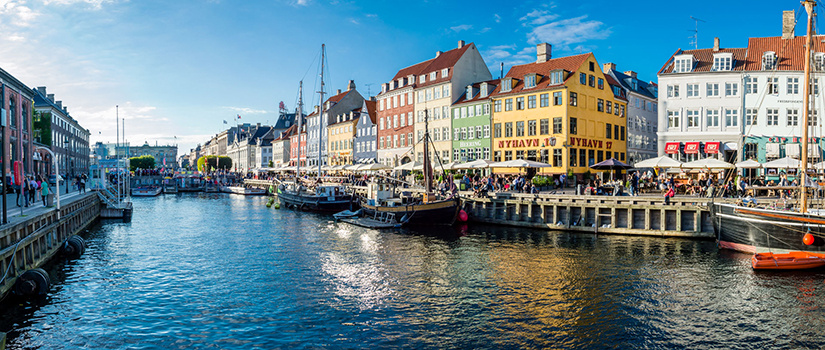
(31,239)
(647,215)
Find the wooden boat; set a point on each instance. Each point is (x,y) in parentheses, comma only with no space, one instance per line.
(329,198)
(189,182)
(146,191)
(787,261)
(246,191)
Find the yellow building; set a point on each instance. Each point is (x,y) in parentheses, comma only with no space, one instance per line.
(561,111)
(340,140)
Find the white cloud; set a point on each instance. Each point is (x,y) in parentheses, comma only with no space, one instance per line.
(354,21)
(485,30)
(15,12)
(461,28)
(497,18)
(94,4)
(568,32)
(538,17)
(371,15)
(246,110)
(302,2)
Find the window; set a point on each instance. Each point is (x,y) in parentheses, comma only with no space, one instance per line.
(497,156)
(556,77)
(457,134)
(573,157)
(731,89)
(497,105)
(693,118)
(506,85)
(773,85)
(582,157)
(672,119)
(381,123)
(573,126)
(583,78)
(574,99)
(432,76)
(381,142)
(713,89)
(600,105)
(793,86)
(793,116)
(531,101)
(713,117)
(520,128)
(750,116)
(508,129)
(683,65)
(772,116)
(531,128)
(731,117)
(544,126)
(751,85)
(556,125)
(692,90)
(486,131)
(621,133)
(768,60)
(592,66)
(530,81)
(409,139)
(815,84)
(497,130)
(608,133)
(813,119)
(445,133)
(673,91)
(544,100)
(519,103)
(445,72)
(395,121)
(508,104)
(601,84)
(485,109)
(478,131)
(819,61)
(610,107)
(722,63)
(557,98)
(557,157)
(592,81)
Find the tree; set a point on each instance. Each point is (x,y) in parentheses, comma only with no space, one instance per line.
(143,162)
(42,127)
(209,163)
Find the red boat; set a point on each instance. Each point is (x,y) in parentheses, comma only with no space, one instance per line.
(787,261)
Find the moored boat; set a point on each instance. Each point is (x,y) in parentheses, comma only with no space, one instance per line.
(787,261)
(146,191)
(247,191)
(325,198)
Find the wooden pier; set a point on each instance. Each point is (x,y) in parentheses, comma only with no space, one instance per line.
(27,242)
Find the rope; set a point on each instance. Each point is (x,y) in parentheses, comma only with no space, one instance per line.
(5,274)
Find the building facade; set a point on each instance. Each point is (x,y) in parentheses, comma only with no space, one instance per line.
(559,111)
(317,122)
(395,106)
(642,114)
(16,105)
(366,134)
(340,142)
(472,122)
(165,155)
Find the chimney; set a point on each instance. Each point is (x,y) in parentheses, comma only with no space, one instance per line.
(351,85)
(608,67)
(50,97)
(438,53)
(716,44)
(630,73)
(460,44)
(339,92)
(59,104)
(317,108)
(788,22)
(543,52)
(41,90)
(66,110)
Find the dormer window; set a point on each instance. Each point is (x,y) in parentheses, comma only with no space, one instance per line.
(556,77)
(506,85)
(469,92)
(445,72)
(769,60)
(422,79)
(722,62)
(483,91)
(432,76)
(529,81)
(683,64)
(819,61)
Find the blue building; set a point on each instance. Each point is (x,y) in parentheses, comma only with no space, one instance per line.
(366,134)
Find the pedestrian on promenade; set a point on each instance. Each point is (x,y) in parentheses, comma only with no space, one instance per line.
(44,191)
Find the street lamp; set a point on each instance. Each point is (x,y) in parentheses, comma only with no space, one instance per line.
(56,178)
(66,144)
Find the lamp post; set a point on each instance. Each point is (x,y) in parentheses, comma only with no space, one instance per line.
(56,177)
(66,144)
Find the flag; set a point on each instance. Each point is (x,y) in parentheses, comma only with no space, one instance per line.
(239,116)
(225,122)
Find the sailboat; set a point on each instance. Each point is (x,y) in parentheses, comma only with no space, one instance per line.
(383,204)
(779,239)
(319,198)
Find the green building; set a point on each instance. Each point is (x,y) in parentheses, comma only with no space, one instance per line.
(471,123)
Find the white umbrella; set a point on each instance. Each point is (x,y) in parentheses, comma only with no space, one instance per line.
(448,166)
(748,164)
(819,166)
(784,163)
(409,166)
(707,163)
(519,163)
(373,166)
(476,164)
(351,167)
(659,162)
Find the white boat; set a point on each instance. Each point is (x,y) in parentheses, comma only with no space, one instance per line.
(247,191)
(146,191)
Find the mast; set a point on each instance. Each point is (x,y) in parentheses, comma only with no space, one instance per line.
(428,176)
(803,192)
(321,113)
(299,114)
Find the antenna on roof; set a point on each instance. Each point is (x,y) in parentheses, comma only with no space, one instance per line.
(368,89)
(695,31)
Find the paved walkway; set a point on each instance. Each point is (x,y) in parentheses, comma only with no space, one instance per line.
(17,213)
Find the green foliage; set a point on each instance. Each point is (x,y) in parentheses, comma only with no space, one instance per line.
(209,163)
(271,163)
(143,162)
(42,125)
(458,176)
(542,181)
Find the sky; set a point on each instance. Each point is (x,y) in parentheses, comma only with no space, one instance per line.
(177,69)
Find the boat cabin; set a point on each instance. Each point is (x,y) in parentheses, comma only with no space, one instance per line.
(330,191)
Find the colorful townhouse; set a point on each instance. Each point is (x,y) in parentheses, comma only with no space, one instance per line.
(395,106)
(339,103)
(341,138)
(437,86)
(366,134)
(472,122)
(560,111)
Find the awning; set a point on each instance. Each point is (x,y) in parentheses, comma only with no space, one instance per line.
(731,146)
(712,147)
(771,150)
(691,147)
(814,150)
(792,150)
(671,147)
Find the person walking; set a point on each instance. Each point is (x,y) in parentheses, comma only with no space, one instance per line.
(44,191)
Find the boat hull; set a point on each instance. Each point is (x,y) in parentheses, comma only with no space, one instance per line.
(787,261)
(244,190)
(423,214)
(146,192)
(754,230)
(315,203)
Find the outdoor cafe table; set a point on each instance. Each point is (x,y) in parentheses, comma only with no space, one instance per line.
(770,191)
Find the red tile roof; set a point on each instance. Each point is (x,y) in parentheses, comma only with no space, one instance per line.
(569,64)
(613,82)
(338,97)
(790,52)
(476,90)
(445,60)
(704,59)
(371,109)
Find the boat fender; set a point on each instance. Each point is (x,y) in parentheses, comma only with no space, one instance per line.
(74,247)
(32,282)
(808,239)
(404,218)
(277,206)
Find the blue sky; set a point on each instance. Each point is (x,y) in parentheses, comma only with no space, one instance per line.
(179,68)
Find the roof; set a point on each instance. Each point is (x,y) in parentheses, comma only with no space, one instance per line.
(444,60)
(642,88)
(704,59)
(569,64)
(477,92)
(612,82)
(371,110)
(790,52)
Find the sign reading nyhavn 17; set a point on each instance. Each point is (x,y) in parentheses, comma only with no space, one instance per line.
(551,141)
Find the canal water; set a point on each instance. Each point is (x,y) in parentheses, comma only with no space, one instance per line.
(225,272)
